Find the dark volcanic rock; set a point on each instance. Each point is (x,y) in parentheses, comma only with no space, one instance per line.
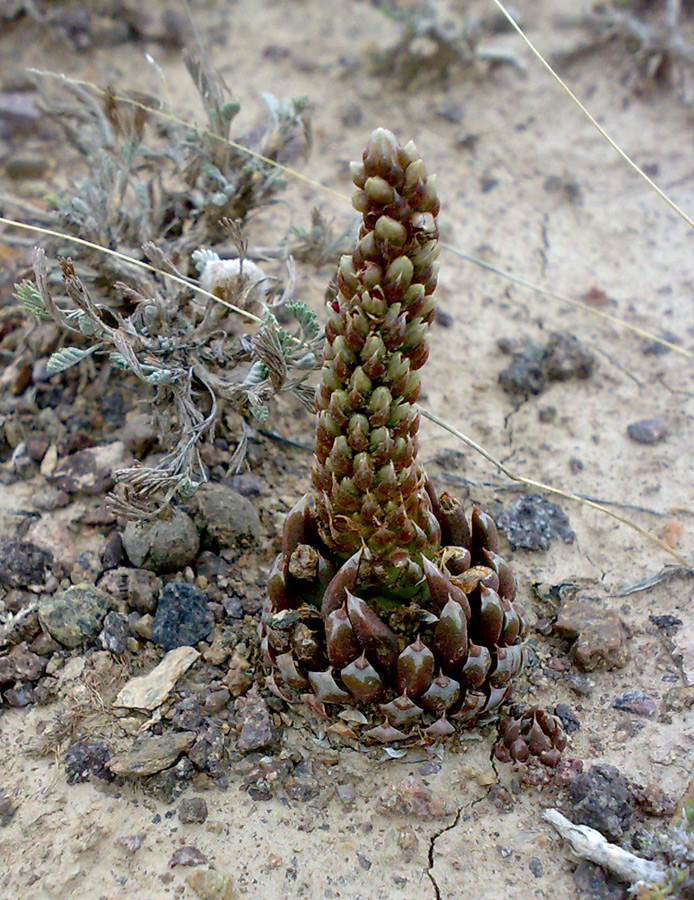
(534,364)
(183,617)
(532,522)
(601,798)
(87,759)
(23,563)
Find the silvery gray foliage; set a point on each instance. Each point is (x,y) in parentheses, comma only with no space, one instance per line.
(190,360)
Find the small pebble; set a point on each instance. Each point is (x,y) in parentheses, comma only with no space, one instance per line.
(187,856)
(636,702)
(192,810)
(647,431)
(535,867)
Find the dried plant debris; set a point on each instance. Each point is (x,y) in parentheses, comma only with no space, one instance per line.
(664,871)
(433,44)
(153,178)
(659,34)
(186,353)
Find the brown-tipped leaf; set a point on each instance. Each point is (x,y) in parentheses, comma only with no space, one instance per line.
(415,669)
(379,642)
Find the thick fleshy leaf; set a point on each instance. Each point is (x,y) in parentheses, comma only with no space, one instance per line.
(472,578)
(288,671)
(297,527)
(326,688)
(476,667)
(385,733)
(484,535)
(415,669)
(537,741)
(379,642)
(491,617)
(344,579)
(455,560)
(343,647)
(440,729)
(497,696)
(512,624)
(472,705)
(508,664)
(277,587)
(402,711)
(442,589)
(507,583)
(362,680)
(454,527)
(450,641)
(442,695)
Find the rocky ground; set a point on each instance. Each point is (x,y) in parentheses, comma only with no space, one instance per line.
(142,750)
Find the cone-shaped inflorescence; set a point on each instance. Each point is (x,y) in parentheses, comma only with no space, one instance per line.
(384,595)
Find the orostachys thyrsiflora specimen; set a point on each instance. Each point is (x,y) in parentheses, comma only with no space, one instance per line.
(385,596)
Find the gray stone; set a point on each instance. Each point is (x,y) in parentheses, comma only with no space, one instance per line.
(114,634)
(22,563)
(74,617)
(647,431)
(183,617)
(7,810)
(225,518)
(207,753)
(151,755)
(20,695)
(162,545)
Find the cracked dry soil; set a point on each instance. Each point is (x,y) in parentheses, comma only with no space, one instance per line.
(527,185)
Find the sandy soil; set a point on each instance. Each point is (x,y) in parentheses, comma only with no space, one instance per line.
(500,203)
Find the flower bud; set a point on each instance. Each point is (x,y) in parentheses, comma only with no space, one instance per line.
(357,174)
(378,190)
(360,201)
(387,229)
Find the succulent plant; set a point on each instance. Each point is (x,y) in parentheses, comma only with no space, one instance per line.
(534,741)
(385,596)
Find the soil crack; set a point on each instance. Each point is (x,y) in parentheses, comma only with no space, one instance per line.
(434,838)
